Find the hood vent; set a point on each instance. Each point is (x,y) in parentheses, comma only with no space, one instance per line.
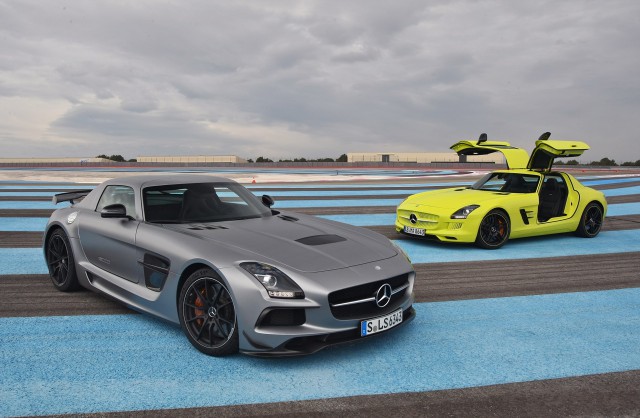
(288,218)
(201,227)
(321,239)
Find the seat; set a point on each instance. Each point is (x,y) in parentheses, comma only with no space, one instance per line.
(551,199)
(200,205)
(515,184)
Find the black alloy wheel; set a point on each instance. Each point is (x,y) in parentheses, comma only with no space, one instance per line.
(60,262)
(591,221)
(494,230)
(207,314)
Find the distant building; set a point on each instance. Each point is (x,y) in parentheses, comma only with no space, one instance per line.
(191,159)
(45,160)
(422,157)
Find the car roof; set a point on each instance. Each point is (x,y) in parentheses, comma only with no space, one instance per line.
(149,180)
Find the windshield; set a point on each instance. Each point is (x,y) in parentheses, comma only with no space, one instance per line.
(200,202)
(508,183)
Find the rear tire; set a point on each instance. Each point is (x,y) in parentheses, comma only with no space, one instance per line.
(591,221)
(207,314)
(60,262)
(494,230)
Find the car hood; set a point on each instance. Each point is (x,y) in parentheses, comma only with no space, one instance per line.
(453,199)
(304,243)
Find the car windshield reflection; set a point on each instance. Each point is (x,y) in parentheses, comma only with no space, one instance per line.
(201,202)
(508,183)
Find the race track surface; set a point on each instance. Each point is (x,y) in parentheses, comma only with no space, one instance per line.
(545,326)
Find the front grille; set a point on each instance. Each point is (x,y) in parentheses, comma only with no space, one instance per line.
(359,301)
(423,220)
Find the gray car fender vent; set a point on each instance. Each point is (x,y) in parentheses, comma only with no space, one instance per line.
(321,239)
(288,218)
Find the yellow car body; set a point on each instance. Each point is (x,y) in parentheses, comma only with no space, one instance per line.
(525,201)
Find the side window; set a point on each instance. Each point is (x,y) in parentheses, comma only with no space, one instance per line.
(118,194)
(553,179)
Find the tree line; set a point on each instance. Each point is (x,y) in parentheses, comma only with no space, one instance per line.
(604,162)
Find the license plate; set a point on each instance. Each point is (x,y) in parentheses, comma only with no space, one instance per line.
(414,231)
(382,323)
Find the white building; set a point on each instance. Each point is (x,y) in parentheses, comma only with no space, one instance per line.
(422,157)
(191,159)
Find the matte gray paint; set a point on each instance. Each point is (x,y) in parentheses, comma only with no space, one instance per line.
(365,256)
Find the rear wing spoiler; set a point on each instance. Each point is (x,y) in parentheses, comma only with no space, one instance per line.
(70,196)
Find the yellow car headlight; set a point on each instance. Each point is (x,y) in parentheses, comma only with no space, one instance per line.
(462,213)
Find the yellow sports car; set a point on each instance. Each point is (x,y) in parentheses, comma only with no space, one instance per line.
(525,200)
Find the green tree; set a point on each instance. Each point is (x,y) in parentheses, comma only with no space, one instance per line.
(631,163)
(343,158)
(605,162)
(263,160)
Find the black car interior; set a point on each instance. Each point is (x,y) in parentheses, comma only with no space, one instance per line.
(553,197)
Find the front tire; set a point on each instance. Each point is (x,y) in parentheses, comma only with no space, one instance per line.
(591,221)
(207,314)
(60,262)
(494,230)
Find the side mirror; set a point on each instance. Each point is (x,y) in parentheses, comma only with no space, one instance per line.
(114,211)
(483,138)
(267,200)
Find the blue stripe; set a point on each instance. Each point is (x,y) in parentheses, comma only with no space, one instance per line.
(29,194)
(38,224)
(16,204)
(287,204)
(617,209)
(84,364)
(620,209)
(49,186)
(22,261)
(424,251)
(360,220)
(31,260)
(601,182)
(23,224)
(623,191)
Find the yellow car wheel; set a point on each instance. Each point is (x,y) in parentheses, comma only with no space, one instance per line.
(591,221)
(494,230)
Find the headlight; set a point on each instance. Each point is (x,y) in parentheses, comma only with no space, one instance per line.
(278,284)
(464,212)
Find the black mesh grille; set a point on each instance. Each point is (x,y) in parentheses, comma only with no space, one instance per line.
(367,309)
(282,317)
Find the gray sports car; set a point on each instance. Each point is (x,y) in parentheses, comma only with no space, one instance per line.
(206,253)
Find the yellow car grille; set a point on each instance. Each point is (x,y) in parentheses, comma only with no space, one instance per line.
(455,225)
(423,220)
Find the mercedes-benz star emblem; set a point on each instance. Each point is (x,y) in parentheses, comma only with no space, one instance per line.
(383,295)
(413,218)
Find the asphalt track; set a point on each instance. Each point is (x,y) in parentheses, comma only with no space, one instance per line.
(545,326)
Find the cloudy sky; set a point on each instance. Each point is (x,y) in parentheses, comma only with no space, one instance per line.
(315,78)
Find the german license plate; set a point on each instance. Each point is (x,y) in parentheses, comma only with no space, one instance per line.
(381,323)
(414,231)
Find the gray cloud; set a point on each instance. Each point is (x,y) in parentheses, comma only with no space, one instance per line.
(315,78)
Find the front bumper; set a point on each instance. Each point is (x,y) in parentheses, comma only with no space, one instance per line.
(437,224)
(310,344)
(311,324)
